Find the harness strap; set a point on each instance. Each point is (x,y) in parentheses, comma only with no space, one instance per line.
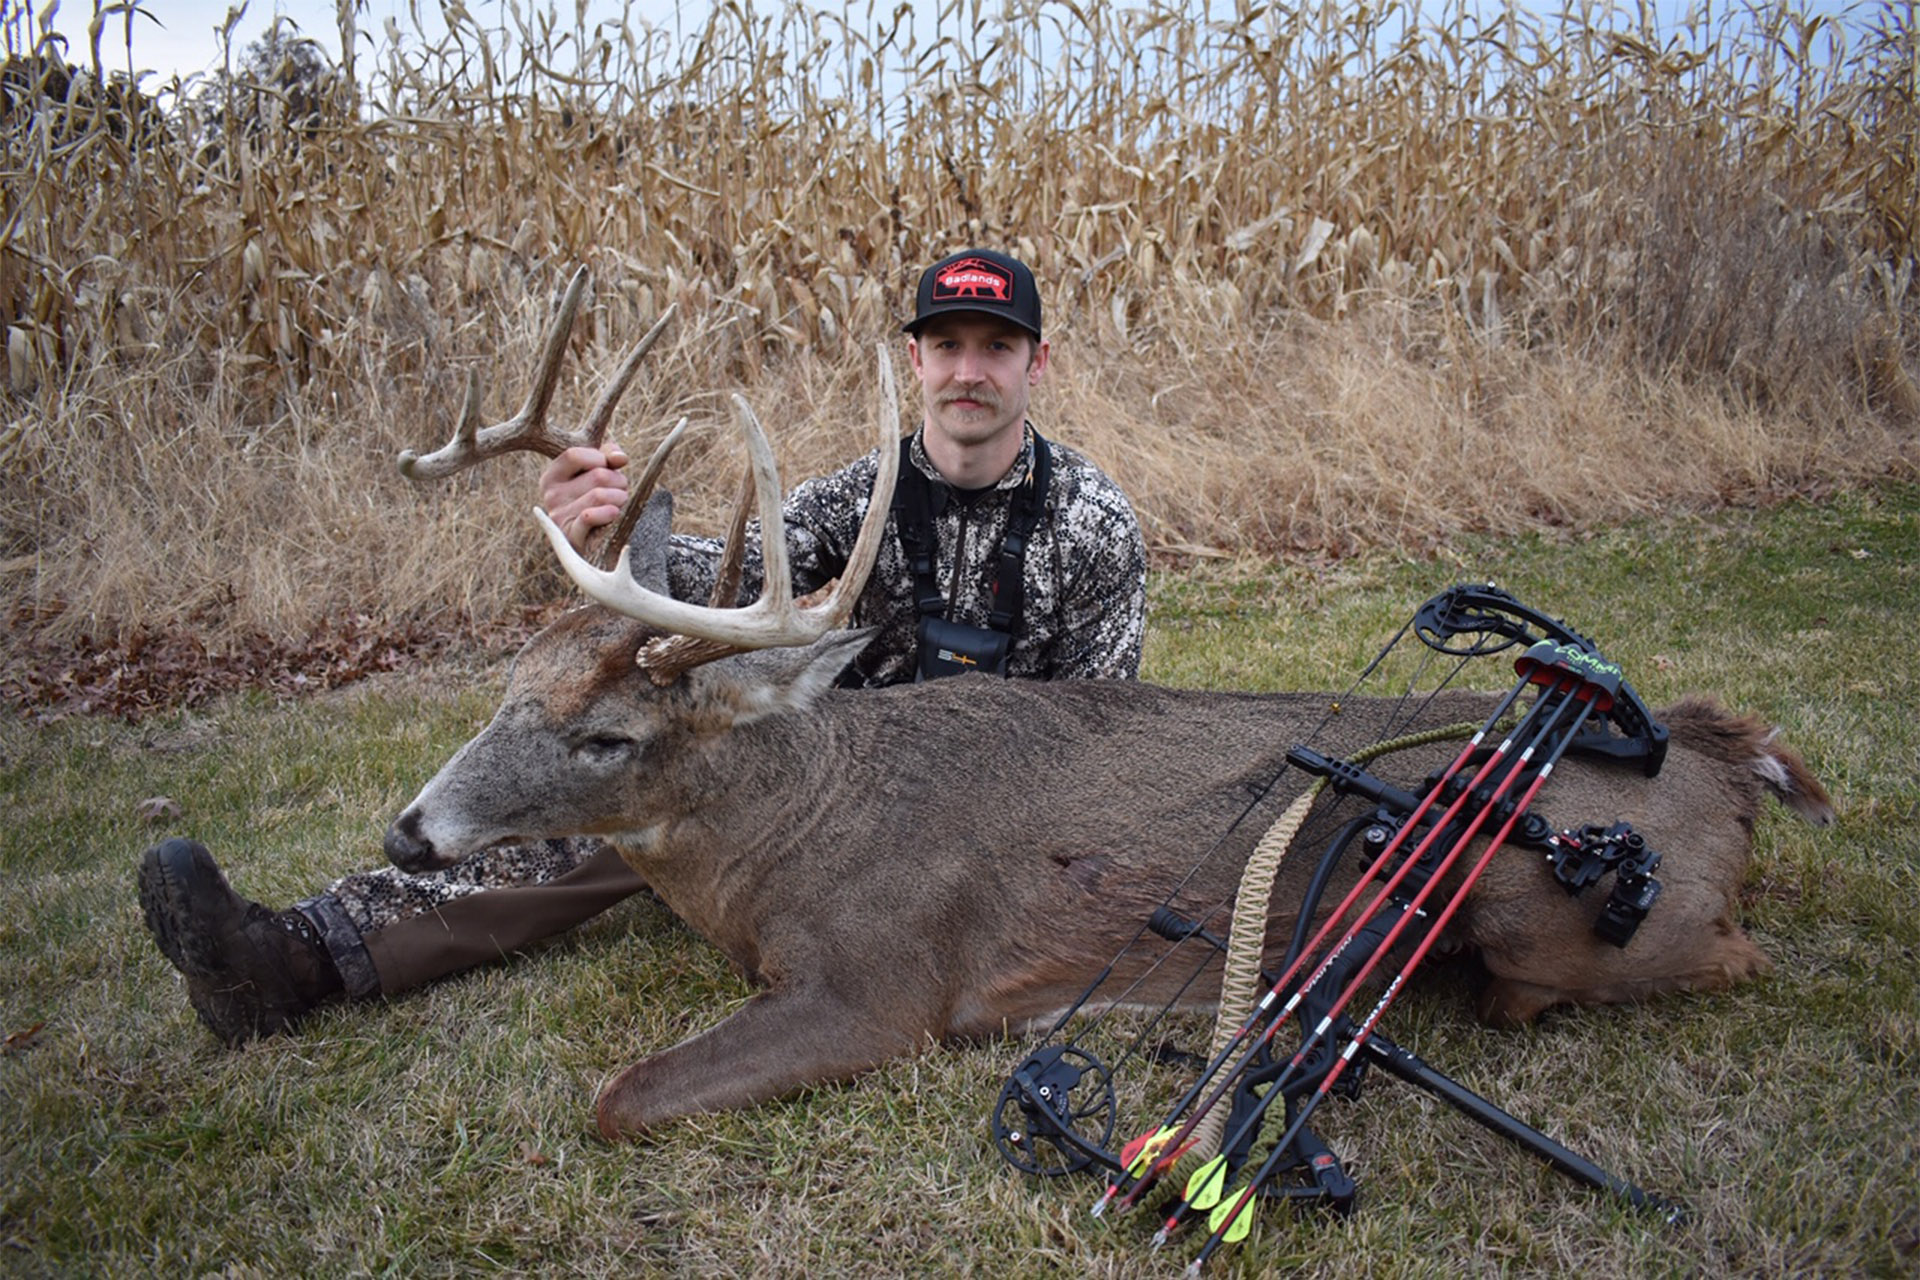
(915,505)
(913,517)
(1010,585)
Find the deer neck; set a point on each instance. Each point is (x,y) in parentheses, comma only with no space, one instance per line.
(746,798)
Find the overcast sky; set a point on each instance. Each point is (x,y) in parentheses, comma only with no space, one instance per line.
(178,37)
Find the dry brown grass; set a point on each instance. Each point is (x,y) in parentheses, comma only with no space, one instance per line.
(1313,286)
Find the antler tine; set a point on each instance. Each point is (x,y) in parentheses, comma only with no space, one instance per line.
(774,619)
(838,606)
(733,551)
(643,487)
(528,428)
(776,589)
(594,429)
(759,486)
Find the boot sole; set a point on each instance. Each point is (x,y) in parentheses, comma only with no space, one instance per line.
(171,876)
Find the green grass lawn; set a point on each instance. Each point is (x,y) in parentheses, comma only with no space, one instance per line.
(450,1130)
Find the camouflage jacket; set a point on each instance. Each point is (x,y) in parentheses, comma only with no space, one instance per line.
(1085,609)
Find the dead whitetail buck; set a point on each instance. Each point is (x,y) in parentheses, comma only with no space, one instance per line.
(956,858)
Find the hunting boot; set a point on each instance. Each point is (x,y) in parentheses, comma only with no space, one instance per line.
(250,971)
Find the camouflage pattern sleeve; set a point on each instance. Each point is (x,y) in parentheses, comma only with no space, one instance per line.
(823,518)
(1084,612)
(1100,562)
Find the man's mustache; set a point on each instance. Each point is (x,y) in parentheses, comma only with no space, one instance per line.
(982,396)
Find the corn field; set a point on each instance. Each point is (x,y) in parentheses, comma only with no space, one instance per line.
(1318,279)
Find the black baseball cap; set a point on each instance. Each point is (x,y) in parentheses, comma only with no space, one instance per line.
(980,280)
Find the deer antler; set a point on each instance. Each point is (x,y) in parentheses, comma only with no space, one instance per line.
(704,632)
(528,428)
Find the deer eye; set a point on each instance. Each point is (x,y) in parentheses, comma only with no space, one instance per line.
(603,749)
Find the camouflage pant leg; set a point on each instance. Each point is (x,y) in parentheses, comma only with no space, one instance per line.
(374,900)
(368,902)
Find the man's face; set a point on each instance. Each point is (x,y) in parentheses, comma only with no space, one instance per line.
(977,373)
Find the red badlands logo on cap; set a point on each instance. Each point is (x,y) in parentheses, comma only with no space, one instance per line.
(973,278)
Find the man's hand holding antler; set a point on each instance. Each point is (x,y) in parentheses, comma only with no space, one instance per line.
(583,489)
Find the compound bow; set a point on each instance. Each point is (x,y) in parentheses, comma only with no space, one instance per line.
(1059,1109)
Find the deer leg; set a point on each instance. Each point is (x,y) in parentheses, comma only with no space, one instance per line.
(780,1041)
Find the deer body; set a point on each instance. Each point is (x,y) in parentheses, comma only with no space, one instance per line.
(953,859)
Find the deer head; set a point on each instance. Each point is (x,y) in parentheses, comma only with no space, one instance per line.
(574,721)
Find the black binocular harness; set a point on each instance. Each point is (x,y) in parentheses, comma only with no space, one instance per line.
(948,648)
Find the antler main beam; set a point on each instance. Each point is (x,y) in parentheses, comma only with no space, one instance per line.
(528,429)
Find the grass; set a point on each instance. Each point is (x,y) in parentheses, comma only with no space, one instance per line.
(449,1131)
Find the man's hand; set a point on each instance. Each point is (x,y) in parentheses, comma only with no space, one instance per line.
(583,489)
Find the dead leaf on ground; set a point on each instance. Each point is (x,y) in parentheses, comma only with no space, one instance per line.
(20,1041)
(158,809)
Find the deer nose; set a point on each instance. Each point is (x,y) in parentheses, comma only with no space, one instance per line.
(404,846)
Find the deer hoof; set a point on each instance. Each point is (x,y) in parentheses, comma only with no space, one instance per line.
(618,1110)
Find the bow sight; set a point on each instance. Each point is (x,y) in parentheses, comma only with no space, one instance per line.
(1058,1112)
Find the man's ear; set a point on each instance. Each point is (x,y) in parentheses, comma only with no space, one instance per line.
(1037,366)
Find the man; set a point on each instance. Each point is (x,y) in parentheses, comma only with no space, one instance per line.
(1006,553)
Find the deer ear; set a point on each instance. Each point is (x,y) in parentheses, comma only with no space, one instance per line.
(769,681)
(648,543)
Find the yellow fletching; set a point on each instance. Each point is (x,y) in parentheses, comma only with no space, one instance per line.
(1241,1225)
(1206,1184)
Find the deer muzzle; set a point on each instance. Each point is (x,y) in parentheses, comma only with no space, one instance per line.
(408,848)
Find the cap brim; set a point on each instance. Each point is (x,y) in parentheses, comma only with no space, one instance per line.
(913,326)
